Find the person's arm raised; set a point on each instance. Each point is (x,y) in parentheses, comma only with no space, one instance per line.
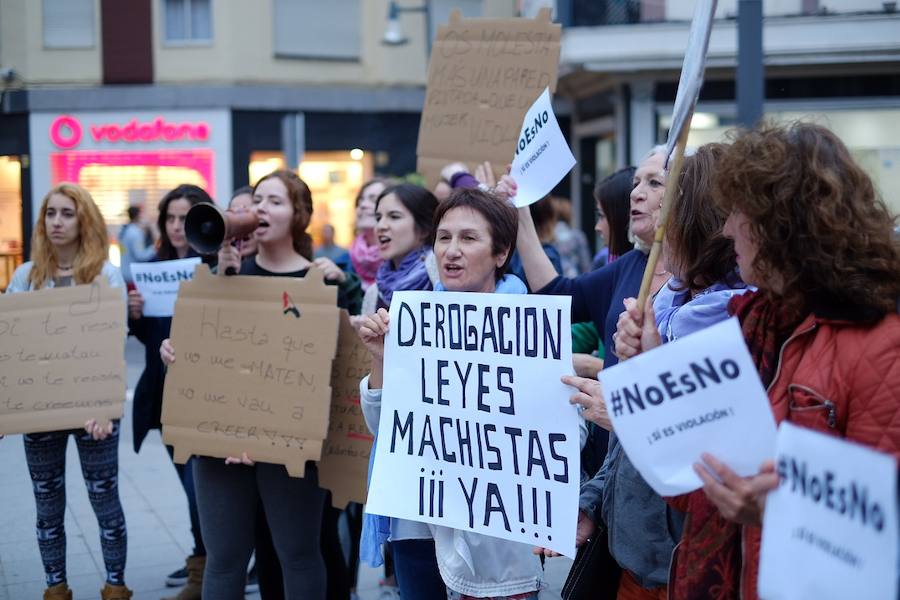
(538,269)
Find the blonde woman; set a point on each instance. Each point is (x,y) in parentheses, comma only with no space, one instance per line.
(69,247)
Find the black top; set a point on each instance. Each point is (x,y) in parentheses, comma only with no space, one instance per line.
(349,292)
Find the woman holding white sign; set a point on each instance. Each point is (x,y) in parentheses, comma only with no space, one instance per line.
(292,506)
(474,238)
(69,247)
(148,392)
(704,281)
(404,217)
(811,233)
(598,296)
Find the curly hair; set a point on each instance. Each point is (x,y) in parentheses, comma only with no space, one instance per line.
(694,231)
(815,216)
(93,245)
(301,200)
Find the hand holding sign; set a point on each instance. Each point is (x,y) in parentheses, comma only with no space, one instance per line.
(694,395)
(739,499)
(830,529)
(636,331)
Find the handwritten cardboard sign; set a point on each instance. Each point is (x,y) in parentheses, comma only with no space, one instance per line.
(483,76)
(62,357)
(830,529)
(253,368)
(698,394)
(158,283)
(345,456)
(476,432)
(542,155)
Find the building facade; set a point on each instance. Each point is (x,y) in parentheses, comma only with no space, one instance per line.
(133,98)
(836,62)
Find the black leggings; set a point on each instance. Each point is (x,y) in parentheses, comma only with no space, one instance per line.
(227,497)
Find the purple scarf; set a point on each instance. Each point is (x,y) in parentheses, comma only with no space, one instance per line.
(410,275)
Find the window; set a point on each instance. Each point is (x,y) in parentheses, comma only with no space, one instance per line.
(327,30)
(68,23)
(187,21)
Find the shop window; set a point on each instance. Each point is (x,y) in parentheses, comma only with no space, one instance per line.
(327,30)
(334,178)
(187,21)
(10,217)
(68,23)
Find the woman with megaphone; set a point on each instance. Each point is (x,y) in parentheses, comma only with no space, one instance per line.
(148,393)
(293,506)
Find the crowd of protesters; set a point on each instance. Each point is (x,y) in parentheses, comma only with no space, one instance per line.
(780,227)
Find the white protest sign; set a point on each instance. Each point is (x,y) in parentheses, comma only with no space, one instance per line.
(476,431)
(542,154)
(692,70)
(698,394)
(830,529)
(158,283)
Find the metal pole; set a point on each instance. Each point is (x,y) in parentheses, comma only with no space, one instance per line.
(750,83)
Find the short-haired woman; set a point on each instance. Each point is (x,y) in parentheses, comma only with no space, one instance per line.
(474,238)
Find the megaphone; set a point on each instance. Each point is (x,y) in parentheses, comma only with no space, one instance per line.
(206,226)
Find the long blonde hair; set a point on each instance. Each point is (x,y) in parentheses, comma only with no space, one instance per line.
(93,245)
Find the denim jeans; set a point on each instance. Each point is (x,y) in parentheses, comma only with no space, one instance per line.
(416,568)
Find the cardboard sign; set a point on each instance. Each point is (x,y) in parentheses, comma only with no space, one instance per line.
(62,357)
(476,431)
(830,529)
(692,70)
(483,76)
(345,457)
(542,154)
(698,394)
(253,368)
(158,283)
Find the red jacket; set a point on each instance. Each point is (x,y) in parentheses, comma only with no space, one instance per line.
(835,376)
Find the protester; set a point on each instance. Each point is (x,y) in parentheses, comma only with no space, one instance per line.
(613,206)
(612,195)
(293,506)
(811,233)
(69,247)
(405,229)
(704,280)
(474,237)
(543,217)
(134,243)
(148,393)
(330,250)
(241,201)
(364,256)
(571,243)
(598,296)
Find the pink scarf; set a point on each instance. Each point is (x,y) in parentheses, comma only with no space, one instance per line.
(365,260)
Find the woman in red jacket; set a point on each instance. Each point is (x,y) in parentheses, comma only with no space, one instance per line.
(811,233)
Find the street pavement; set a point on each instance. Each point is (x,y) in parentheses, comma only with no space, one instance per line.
(155,511)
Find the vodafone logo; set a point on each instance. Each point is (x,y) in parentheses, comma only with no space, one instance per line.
(66,132)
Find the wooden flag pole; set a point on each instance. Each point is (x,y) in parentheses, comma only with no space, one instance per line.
(670,196)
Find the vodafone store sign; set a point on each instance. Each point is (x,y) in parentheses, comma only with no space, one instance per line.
(66,132)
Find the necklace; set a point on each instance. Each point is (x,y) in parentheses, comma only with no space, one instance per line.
(62,268)
(661,273)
